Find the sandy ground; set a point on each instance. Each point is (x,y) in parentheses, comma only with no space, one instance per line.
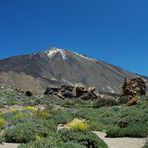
(122,142)
(9,145)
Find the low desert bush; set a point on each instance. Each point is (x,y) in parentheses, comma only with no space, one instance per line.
(62,117)
(104,102)
(71,145)
(87,139)
(43,114)
(2,123)
(130,131)
(23,133)
(31,108)
(48,143)
(78,125)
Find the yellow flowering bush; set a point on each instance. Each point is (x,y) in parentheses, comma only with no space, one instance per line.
(43,114)
(13,110)
(38,137)
(31,108)
(21,115)
(2,123)
(78,125)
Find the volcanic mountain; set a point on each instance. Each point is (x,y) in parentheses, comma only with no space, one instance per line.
(54,67)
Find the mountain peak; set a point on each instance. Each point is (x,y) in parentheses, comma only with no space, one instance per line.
(56,66)
(53,51)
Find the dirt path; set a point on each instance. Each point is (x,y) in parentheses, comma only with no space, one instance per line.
(9,145)
(122,142)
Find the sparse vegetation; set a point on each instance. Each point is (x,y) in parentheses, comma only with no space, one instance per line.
(86,138)
(34,126)
(119,121)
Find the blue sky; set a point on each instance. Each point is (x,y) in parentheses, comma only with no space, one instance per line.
(115,31)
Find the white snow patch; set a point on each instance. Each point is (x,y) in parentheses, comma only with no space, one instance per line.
(112,90)
(84,57)
(52,52)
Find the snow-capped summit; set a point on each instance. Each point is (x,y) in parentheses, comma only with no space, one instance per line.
(64,53)
(53,51)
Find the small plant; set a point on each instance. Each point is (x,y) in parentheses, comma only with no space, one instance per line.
(53,141)
(14,110)
(71,145)
(43,114)
(62,117)
(78,125)
(31,108)
(2,123)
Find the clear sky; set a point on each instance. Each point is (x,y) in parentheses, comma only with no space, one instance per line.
(115,31)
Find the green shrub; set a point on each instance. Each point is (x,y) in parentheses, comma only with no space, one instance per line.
(2,123)
(76,103)
(71,145)
(51,144)
(104,102)
(43,114)
(62,117)
(123,99)
(130,131)
(23,133)
(50,124)
(88,139)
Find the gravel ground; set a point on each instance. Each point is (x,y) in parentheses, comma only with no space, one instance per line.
(122,142)
(9,145)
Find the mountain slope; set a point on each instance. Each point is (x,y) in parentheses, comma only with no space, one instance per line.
(55,66)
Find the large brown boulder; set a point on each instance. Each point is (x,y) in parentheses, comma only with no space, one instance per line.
(80,91)
(86,93)
(132,102)
(134,87)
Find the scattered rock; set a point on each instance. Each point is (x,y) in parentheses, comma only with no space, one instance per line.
(29,93)
(68,94)
(132,102)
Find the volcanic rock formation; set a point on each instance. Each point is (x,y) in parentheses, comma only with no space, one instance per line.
(77,91)
(135,87)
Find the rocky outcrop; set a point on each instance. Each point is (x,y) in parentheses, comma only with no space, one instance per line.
(134,87)
(78,91)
